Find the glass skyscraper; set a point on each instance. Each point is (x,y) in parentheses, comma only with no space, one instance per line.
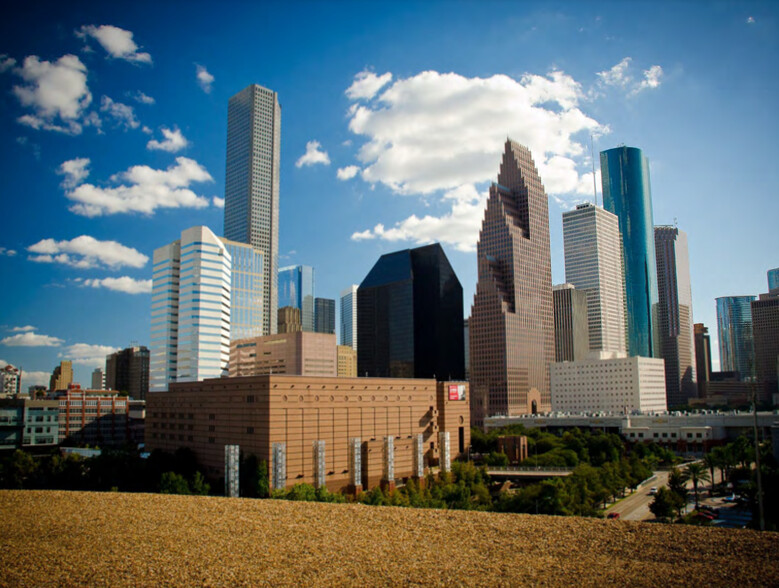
(296,289)
(246,312)
(251,213)
(324,315)
(627,193)
(349,317)
(734,326)
(773,279)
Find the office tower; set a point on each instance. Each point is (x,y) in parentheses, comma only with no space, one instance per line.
(296,288)
(324,315)
(512,322)
(627,193)
(593,265)
(251,213)
(467,348)
(246,310)
(773,279)
(62,376)
(410,317)
(734,326)
(571,328)
(300,354)
(349,316)
(128,371)
(289,320)
(10,380)
(98,378)
(674,316)
(347,361)
(190,322)
(702,357)
(765,329)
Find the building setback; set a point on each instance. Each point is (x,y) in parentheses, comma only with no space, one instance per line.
(734,330)
(765,327)
(251,213)
(512,323)
(571,331)
(324,315)
(128,371)
(296,288)
(348,300)
(410,317)
(299,354)
(702,357)
(331,432)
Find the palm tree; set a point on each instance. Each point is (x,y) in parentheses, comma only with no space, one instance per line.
(710,461)
(696,472)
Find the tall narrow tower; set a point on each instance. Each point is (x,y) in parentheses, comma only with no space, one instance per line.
(251,212)
(512,321)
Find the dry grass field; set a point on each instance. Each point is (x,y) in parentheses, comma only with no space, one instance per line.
(112,539)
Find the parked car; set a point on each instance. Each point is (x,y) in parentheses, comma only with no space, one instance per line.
(653,491)
(612,515)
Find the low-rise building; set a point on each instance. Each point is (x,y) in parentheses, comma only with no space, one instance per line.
(92,417)
(26,423)
(347,361)
(299,354)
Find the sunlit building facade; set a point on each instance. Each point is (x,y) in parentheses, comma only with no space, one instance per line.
(296,288)
(734,329)
(247,309)
(348,324)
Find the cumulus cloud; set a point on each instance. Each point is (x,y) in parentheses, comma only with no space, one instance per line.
(74,170)
(348,172)
(123,284)
(143,98)
(218,202)
(24,329)
(651,79)
(57,93)
(143,189)
(117,42)
(204,79)
(619,76)
(313,155)
(174,141)
(123,114)
(87,252)
(86,354)
(30,339)
(6,62)
(366,84)
(7,252)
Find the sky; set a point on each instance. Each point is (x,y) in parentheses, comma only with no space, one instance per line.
(113,133)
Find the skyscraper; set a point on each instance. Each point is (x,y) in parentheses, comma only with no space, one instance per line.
(674,317)
(98,379)
(702,357)
(734,326)
(765,329)
(512,323)
(349,316)
(324,315)
(296,288)
(773,279)
(251,213)
(246,302)
(62,376)
(190,324)
(571,331)
(627,193)
(593,264)
(128,371)
(410,317)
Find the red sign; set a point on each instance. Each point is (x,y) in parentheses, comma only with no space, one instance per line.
(456,392)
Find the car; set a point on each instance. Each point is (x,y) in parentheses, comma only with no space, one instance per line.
(653,491)
(612,515)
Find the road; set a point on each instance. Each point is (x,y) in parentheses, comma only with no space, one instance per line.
(636,506)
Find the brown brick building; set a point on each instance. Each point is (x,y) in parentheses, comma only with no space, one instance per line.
(294,353)
(281,418)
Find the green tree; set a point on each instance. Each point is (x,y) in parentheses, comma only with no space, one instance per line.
(696,473)
(665,503)
(710,461)
(254,478)
(496,459)
(173,483)
(199,486)
(677,483)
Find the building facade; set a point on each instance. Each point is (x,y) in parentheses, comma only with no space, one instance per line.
(410,317)
(251,213)
(571,327)
(190,323)
(627,193)
(62,376)
(593,264)
(92,417)
(702,357)
(348,301)
(512,318)
(10,381)
(296,288)
(324,315)
(298,354)
(27,423)
(347,361)
(765,329)
(128,371)
(246,290)
(674,316)
(289,320)
(98,378)
(773,279)
(734,326)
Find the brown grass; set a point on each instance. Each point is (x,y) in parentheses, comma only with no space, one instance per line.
(111,539)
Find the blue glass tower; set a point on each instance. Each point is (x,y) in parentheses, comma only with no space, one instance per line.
(773,279)
(296,288)
(734,325)
(627,194)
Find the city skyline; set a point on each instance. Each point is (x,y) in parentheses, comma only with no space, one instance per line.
(345,196)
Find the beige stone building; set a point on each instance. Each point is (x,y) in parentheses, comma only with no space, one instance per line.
(289,320)
(347,361)
(62,376)
(300,354)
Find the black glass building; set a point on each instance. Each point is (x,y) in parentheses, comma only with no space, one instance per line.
(410,317)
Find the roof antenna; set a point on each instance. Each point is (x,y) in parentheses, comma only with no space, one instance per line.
(592,156)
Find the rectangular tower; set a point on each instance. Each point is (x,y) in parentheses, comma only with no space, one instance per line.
(251,213)
(734,330)
(247,305)
(512,323)
(765,328)
(296,289)
(702,357)
(571,332)
(349,316)
(324,315)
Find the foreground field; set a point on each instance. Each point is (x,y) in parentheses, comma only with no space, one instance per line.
(110,539)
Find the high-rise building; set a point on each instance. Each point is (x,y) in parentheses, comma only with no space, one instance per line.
(62,376)
(347,361)
(98,377)
(467,348)
(246,310)
(349,317)
(324,315)
(410,317)
(571,330)
(10,380)
(734,326)
(190,324)
(251,213)
(512,322)
(593,265)
(674,316)
(128,371)
(296,288)
(773,279)
(289,320)
(765,329)
(627,193)
(702,357)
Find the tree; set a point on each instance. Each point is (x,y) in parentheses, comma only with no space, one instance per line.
(710,461)
(199,485)
(696,473)
(173,483)
(254,478)
(677,483)
(665,503)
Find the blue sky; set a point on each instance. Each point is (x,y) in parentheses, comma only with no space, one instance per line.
(113,131)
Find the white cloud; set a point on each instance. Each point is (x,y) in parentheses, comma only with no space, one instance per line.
(74,170)
(145,190)
(366,84)
(85,354)
(87,252)
(7,252)
(651,79)
(204,79)
(34,379)
(348,172)
(24,329)
(30,339)
(117,42)
(218,202)
(313,155)
(174,141)
(751,20)
(122,113)
(6,62)
(57,92)
(122,284)
(143,98)
(619,76)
